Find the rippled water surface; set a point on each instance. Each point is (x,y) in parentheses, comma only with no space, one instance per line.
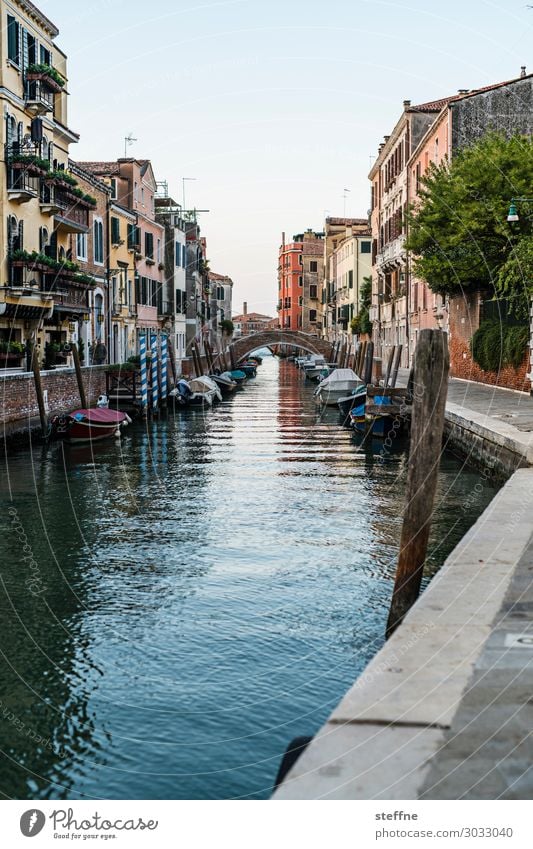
(210,588)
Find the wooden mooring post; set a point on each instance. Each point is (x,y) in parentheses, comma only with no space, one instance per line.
(430,387)
(39,390)
(79,378)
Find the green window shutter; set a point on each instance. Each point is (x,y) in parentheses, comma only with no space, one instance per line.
(13,39)
(115,231)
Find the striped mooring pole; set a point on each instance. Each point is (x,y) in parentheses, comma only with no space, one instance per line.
(155,375)
(164,359)
(144,373)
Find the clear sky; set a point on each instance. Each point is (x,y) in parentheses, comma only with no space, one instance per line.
(274,107)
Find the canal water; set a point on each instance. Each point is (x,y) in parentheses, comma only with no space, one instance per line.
(178,606)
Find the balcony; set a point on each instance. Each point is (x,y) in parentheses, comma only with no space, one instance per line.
(50,79)
(24,168)
(39,98)
(72,216)
(25,301)
(392,254)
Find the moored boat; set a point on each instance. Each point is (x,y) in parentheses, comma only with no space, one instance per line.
(224,382)
(314,367)
(89,425)
(354,399)
(249,368)
(341,382)
(238,376)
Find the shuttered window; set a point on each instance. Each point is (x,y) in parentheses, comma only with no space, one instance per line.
(13,40)
(115,230)
(149,245)
(98,242)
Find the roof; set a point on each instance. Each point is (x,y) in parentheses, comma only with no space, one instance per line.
(106,168)
(346,221)
(36,13)
(437,105)
(222,277)
(252,316)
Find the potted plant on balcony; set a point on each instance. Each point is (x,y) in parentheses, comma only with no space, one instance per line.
(33,165)
(51,78)
(11,354)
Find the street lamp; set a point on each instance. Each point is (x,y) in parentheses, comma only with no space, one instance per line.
(512,215)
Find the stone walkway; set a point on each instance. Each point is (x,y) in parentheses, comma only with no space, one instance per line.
(445,709)
(504,405)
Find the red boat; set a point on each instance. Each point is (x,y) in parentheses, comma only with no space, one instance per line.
(89,425)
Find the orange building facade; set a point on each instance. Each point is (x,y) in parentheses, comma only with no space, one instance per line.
(300,278)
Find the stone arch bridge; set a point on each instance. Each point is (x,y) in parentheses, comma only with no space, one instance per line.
(243,346)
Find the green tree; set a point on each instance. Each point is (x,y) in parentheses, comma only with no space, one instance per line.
(361,322)
(458,231)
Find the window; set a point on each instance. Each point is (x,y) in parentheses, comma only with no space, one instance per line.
(313,265)
(300,301)
(149,245)
(142,195)
(13,40)
(178,254)
(98,242)
(46,56)
(115,230)
(366,247)
(43,239)
(300,280)
(159,251)
(313,291)
(113,189)
(81,246)
(134,237)
(312,315)
(350,279)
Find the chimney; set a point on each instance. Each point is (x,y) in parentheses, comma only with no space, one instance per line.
(523,71)
(463,90)
(245,308)
(406,104)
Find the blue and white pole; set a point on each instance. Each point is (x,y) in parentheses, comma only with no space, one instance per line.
(164,360)
(144,372)
(155,383)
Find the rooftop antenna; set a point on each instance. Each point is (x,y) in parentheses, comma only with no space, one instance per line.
(345,195)
(128,140)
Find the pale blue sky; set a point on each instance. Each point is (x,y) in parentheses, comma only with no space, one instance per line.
(275,107)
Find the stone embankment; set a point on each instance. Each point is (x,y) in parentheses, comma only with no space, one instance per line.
(444,709)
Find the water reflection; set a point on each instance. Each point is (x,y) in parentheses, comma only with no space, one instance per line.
(213,583)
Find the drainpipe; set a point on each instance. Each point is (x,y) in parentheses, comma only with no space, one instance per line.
(108,278)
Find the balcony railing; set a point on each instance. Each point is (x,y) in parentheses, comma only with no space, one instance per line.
(39,98)
(71,215)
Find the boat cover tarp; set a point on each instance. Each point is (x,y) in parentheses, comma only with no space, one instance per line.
(202,384)
(100,415)
(340,375)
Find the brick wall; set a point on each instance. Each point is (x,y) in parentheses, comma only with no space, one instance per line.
(18,401)
(464,321)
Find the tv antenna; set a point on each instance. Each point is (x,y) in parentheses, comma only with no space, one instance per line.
(128,140)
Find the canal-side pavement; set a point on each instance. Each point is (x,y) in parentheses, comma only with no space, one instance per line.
(444,710)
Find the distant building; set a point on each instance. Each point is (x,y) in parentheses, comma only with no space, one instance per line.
(249,322)
(222,294)
(347,259)
(300,276)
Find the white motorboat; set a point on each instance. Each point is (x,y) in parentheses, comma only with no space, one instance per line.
(198,392)
(314,367)
(204,391)
(224,382)
(340,383)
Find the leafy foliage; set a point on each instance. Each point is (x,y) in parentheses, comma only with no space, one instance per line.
(361,322)
(48,71)
(227,327)
(515,277)
(458,231)
(495,345)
